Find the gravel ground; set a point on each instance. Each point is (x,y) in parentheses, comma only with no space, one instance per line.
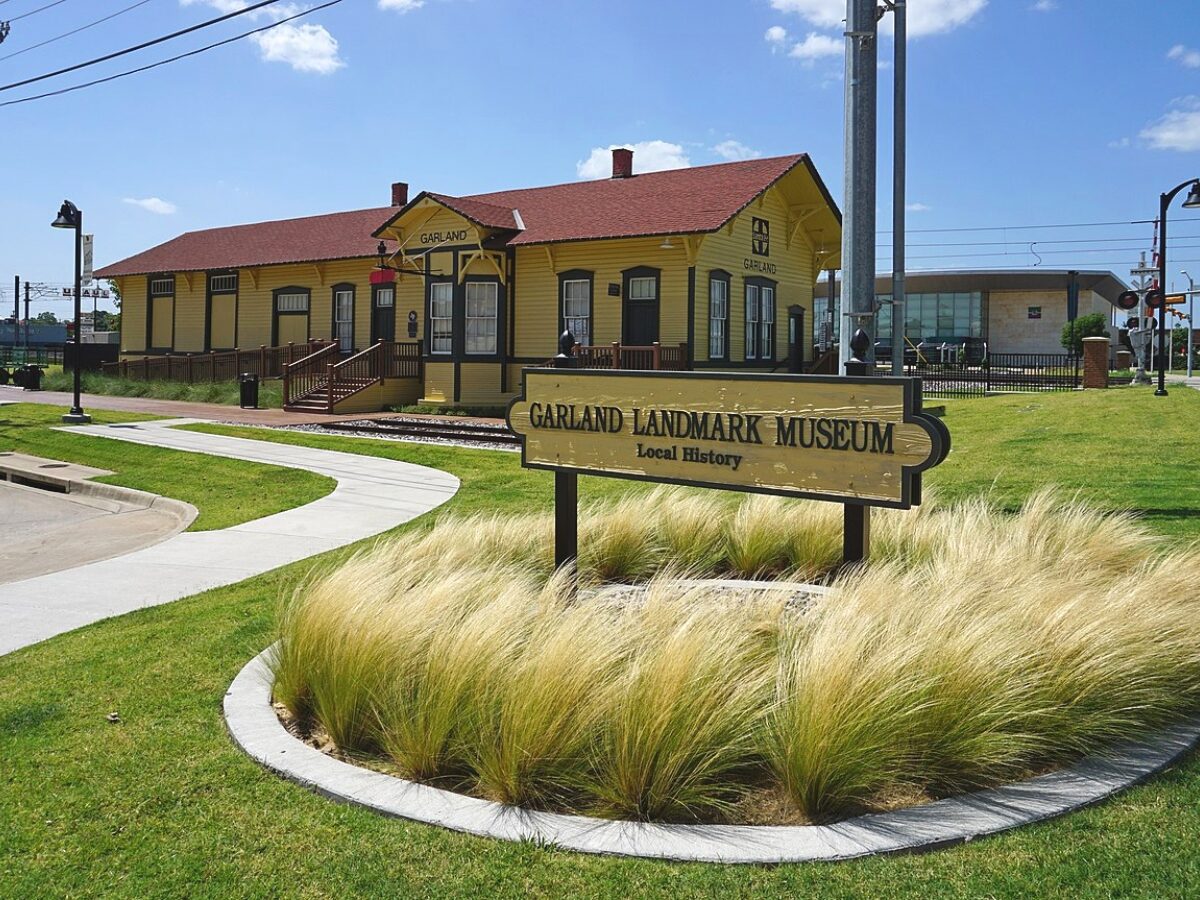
(447,442)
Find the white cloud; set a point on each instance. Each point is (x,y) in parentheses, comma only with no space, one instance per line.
(305,47)
(1186,56)
(1045,6)
(1178,130)
(648,156)
(152,204)
(917,207)
(816,46)
(1119,143)
(402,6)
(735,151)
(925,17)
(776,35)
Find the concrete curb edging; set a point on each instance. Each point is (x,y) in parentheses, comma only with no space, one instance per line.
(256,729)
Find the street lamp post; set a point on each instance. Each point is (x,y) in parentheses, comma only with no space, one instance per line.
(70,216)
(1191,323)
(1164,201)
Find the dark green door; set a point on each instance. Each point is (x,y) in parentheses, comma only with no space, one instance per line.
(383,313)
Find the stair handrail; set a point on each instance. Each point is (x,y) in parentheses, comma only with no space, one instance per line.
(305,374)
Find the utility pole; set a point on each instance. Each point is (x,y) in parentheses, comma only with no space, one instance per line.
(16,310)
(899,164)
(27,320)
(858,225)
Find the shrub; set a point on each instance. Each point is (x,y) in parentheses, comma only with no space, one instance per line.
(1090,325)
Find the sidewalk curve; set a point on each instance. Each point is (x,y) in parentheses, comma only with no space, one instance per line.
(372,496)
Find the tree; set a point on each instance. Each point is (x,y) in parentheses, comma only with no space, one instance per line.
(1091,325)
(45,318)
(115,290)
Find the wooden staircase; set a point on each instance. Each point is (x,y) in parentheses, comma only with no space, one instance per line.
(320,383)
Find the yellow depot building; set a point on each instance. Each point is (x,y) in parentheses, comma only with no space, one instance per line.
(444,299)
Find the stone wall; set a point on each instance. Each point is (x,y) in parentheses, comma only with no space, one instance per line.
(1010,330)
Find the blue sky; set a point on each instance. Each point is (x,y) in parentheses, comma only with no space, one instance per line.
(1022,112)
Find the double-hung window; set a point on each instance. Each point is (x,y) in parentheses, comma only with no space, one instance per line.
(483,305)
(577,309)
(760,321)
(718,315)
(441,317)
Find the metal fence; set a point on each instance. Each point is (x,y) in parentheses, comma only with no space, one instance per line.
(999,373)
(41,356)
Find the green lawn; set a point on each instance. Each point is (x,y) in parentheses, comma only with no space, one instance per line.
(162,804)
(270,393)
(226,491)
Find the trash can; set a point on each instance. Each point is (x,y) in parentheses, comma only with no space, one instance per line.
(28,376)
(249,390)
(4,376)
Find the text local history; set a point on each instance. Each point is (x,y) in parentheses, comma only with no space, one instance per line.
(809,432)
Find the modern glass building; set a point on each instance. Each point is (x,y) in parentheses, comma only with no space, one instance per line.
(1012,311)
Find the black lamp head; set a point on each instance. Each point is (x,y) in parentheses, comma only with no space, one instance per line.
(68,216)
(1193,197)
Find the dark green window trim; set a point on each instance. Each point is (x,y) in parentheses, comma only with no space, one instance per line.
(275,313)
(576,275)
(150,312)
(719,275)
(209,293)
(759,358)
(498,355)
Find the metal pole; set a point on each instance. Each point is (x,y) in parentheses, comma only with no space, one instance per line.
(77,414)
(27,321)
(1191,337)
(16,313)
(1164,200)
(858,226)
(899,162)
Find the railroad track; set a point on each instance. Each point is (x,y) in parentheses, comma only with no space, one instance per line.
(428,430)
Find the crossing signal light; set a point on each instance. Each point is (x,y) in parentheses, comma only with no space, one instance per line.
(1154,299)
(1128,300)
(1175,299)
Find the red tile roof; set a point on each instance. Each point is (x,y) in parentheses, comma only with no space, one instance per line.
(682,201)
(344,235)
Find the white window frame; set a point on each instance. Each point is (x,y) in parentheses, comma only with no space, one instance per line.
(766,323)
(718,317)
(157,288)
(640,280)
(441,328)
(382,292)
(343,327)
(226,283)
(295,302)
(753,307)
(580,325)
(486,327)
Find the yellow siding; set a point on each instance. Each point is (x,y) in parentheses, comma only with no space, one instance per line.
(162,323)
(537,325)
(439,383)
(133,313)
(433,225)
(401,391)
(369,399)
(480,385)
(730,249)
(221,331)
(293,330)
(190,291)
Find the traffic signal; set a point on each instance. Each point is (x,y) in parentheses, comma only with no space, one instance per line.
(1154,299)
(1175,299)
(1128,300)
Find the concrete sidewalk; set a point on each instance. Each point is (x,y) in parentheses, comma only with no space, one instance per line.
(372,496)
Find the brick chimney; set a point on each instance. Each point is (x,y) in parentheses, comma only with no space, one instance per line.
(399,193)
(622,162)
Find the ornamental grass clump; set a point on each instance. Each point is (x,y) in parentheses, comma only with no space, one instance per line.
(978,646)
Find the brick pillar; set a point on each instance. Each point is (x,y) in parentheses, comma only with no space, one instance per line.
(1124,360)
(1095,362)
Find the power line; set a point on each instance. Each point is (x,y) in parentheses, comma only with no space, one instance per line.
(1019,242)
(36,11)
(1031,227)
(142,46)
(74,30)
(163,62)
(1035,253)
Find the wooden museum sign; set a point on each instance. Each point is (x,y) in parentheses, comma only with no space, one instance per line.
(860,441)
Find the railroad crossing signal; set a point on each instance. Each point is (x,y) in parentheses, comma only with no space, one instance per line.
(1128,300)
(1154,299)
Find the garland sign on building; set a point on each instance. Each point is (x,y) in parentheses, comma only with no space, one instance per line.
(861,441)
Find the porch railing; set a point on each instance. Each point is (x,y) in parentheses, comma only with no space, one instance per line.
(669,357)
(265,362)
